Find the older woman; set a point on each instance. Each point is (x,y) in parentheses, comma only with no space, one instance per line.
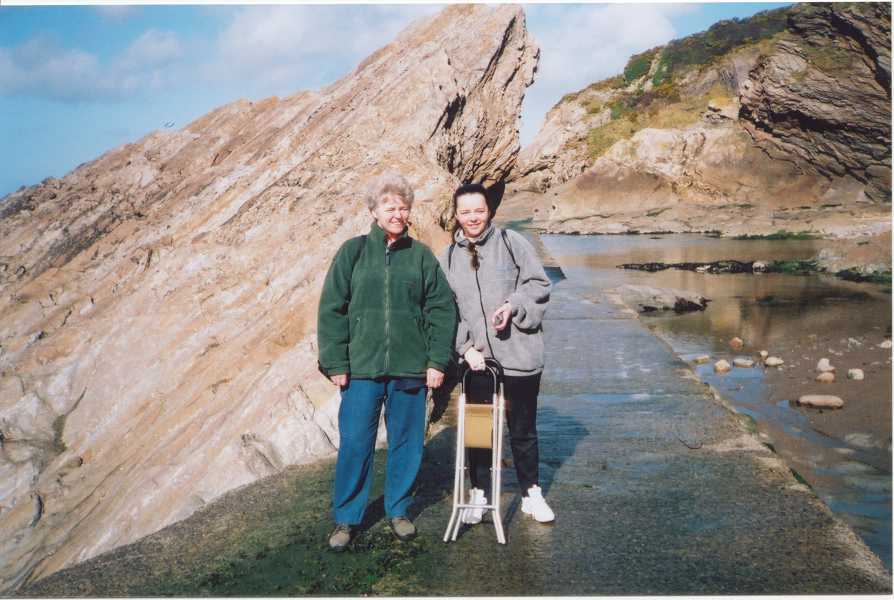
(502,292)
(385,331)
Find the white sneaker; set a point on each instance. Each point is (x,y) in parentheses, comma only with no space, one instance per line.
(473,516)
(534,504)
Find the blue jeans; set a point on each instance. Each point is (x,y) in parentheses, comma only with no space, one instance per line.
(358,423)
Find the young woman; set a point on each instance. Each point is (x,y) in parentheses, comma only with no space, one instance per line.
(502,293)
(385,331)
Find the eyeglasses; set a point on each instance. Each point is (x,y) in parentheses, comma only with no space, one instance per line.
(474,252)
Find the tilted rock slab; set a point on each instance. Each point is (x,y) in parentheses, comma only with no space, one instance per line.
(158,304)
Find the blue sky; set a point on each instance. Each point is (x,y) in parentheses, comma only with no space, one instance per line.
(76,81)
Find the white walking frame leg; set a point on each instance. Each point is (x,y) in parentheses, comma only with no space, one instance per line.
(459,477)
(496,463)
(459,473)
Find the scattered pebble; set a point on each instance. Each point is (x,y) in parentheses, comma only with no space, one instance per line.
(860,440)
(824,365)
(885,344)
(773,361)
(854,343)
(745,363)
(821,401)
(826,377)
(764,354)
(855,374)
(721,366)
(701,359)
(736,343)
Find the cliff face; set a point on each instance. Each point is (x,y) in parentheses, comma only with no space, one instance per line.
(824,97)
(158,304)
(781,121)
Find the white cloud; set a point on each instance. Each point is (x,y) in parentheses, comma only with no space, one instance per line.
(117,12)
(583,43)
(41,67)
(283,49)
(153,47)
(260,50)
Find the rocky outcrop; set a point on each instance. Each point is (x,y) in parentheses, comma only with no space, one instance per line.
(647,299)
(157,305)
(823,97)
(787,129)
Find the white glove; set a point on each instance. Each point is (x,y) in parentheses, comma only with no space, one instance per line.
(475,359)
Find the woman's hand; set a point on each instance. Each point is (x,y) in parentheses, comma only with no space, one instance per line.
(475,359)
(433,378)
(502,316)
(339,380)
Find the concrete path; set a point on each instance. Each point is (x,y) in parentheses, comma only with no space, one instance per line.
(658,488)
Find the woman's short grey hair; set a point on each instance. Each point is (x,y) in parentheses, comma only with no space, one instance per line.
(388,183)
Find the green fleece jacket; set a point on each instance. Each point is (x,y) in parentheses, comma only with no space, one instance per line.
(385,310)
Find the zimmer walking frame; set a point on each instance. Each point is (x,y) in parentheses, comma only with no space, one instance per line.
(479,426)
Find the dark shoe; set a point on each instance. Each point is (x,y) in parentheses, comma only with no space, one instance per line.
(340,537)
(403,528)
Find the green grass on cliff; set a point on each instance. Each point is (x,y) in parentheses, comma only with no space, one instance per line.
(632,111)
(662,108)
(639,65)
(665,106)
(694,50)
(719,39)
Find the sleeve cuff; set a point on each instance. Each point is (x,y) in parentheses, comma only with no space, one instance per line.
(516,299)
(464,347)
(436,365)
(334,371)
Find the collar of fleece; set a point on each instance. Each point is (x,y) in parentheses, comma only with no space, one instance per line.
(462,240)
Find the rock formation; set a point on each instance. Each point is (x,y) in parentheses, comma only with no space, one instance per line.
(157,304)
(778,122)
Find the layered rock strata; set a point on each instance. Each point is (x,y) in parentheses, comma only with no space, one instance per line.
(789,132)
(157,304)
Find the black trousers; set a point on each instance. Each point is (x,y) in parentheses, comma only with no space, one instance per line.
(521,416)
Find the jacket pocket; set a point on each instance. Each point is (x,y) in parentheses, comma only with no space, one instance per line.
(409,346)
(362,347)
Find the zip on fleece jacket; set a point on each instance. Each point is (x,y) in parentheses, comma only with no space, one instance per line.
(519,347)
(385,311)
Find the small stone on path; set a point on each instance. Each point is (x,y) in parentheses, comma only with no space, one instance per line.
(736,343)
(773,361)
(701,359)
(827,377)
(745,363)
(855,374)
(721,366)
(824,365)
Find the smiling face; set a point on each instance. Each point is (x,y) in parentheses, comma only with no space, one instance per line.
(472,214)
(392,214)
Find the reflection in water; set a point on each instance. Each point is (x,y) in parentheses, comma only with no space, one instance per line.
(844,455)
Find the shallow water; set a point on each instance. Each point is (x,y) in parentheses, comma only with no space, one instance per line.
(845,460)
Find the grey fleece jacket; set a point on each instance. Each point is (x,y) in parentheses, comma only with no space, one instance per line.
(519,347)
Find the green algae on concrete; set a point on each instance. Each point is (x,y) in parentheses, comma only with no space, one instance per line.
(265,539)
